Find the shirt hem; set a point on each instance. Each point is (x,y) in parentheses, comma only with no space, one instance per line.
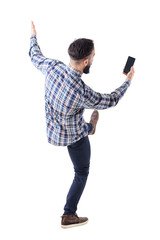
(67,143)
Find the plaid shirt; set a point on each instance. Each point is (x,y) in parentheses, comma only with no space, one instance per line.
(66,97)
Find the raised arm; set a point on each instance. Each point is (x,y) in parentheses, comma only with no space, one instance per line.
(95,100)
(37,58)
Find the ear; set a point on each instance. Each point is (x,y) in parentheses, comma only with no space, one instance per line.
(85,62)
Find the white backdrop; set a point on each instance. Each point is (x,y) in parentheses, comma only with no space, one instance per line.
(122,195)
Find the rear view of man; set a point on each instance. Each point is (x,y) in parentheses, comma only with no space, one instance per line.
(66,97)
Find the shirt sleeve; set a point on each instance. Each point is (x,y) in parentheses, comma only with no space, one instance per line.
(37,58)
(95,100)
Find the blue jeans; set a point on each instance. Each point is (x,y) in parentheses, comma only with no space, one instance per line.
(80,156)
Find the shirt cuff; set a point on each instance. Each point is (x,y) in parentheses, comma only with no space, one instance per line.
(33,36)
(33,41)
(128,82)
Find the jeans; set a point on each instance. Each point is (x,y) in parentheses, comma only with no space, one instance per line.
(80,156)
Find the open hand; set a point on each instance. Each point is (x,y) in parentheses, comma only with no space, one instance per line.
(33,29)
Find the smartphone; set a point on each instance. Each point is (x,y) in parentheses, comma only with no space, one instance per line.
(129,64)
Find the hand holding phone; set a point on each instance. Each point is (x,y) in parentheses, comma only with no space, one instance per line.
(130,74)
(129,64)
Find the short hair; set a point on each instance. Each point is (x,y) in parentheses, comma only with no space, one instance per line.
(80,48)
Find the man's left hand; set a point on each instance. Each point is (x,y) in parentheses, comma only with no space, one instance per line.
(33,29)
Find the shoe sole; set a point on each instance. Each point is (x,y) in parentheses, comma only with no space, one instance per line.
(74,225)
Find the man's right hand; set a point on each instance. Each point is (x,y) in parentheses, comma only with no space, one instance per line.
(130,74)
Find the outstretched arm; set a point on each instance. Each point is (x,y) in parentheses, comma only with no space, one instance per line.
(37,58)
(99,101)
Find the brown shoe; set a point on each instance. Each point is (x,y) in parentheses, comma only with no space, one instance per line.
(94,120)
(69,221)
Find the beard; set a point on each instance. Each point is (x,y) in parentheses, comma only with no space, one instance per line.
(86,69)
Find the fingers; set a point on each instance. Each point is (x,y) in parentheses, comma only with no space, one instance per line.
(32,23)
(130,74)
(33,29)
(132,69)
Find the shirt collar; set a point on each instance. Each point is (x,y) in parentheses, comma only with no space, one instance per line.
(75,72)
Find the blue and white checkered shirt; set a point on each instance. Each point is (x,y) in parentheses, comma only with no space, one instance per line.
(66,97)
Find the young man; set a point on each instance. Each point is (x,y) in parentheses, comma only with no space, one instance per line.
(66,97)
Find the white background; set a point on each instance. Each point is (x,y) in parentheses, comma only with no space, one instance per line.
(122,194)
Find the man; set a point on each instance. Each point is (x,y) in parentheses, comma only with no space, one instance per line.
(66,97)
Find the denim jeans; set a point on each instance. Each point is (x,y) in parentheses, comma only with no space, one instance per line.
(80,156)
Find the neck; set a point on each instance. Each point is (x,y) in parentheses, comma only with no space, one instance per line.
(77,67)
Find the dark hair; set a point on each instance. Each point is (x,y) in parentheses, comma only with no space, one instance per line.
(80,48)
